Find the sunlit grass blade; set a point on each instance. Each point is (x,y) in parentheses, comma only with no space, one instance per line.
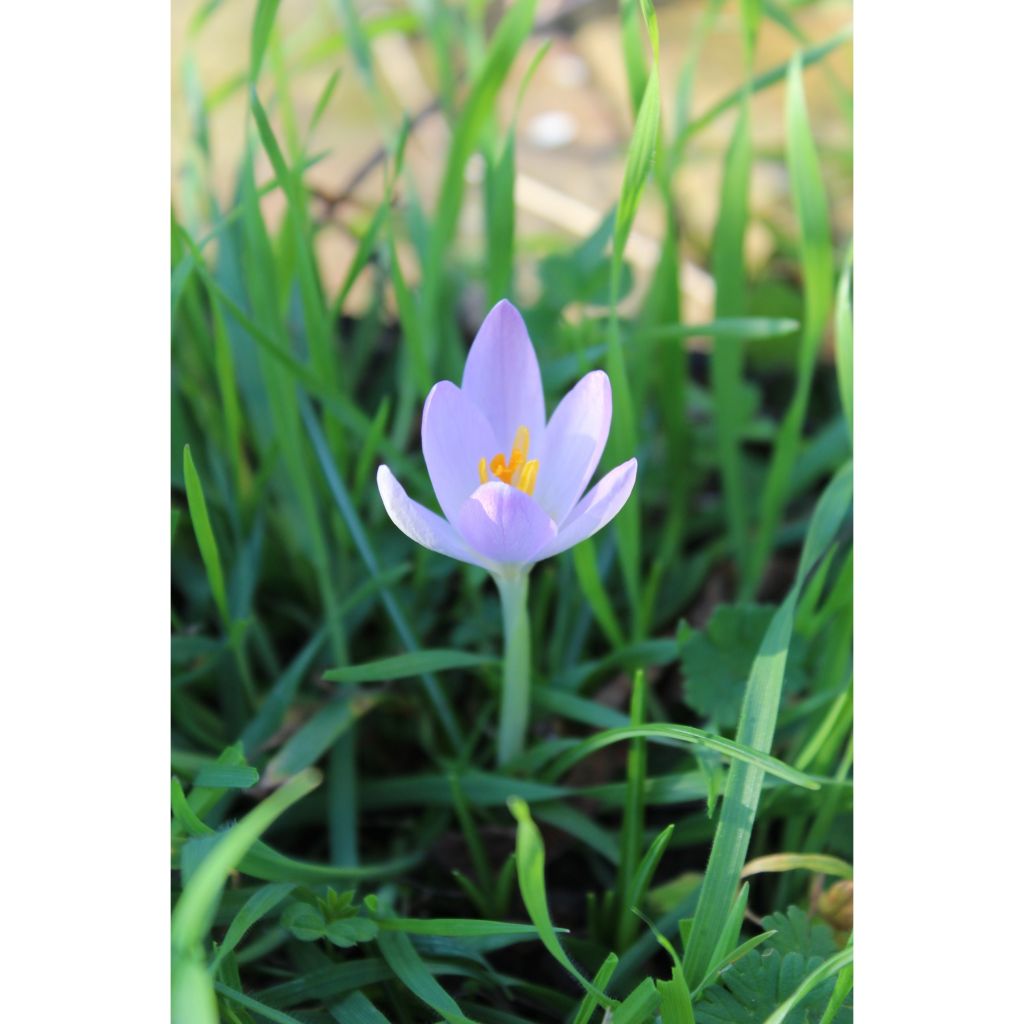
(670,733)
(193,912)
(622,438)
(811,202)
(757,728)
(728,267)
(844,339)
(472,120)
(812,55)
(262,25)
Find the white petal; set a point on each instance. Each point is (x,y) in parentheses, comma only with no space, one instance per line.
(599,507)
(505,524)
(455,436)
(419,523)
(573,443)
(502,377)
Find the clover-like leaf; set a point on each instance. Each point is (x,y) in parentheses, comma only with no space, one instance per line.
(348,931)
(717,660)
(306,923)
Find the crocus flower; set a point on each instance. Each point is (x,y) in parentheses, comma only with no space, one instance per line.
(509,481)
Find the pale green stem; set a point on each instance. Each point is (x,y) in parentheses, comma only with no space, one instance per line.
(515,689)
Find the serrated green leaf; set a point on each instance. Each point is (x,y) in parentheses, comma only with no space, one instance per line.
(716,661)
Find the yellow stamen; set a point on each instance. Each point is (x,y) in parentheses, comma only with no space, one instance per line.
(517,471)
(528,477)
(521,444)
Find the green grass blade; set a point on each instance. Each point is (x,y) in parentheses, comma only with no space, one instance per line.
(728,267)
(194,909)
(622,443)
(756,729)
(671,733)
(530,871)
(764,80)
(844,339)
(257,906)
(639,1006)
(584,560)
(632,817)
(811,202)
(472,121)
(404,666)
(832,966)
(344,502)
(262,25)
(676,1005)
(401,956)
(205,537)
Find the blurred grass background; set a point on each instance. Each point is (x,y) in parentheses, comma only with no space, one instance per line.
(572,130)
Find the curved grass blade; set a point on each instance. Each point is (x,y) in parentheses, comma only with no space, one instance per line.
(666,732)
(260,903)
(193,913)
(530,871)
(401,956)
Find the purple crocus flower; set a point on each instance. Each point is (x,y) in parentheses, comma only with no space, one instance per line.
(509,481)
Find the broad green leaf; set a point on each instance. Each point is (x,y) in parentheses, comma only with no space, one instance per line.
(717,660)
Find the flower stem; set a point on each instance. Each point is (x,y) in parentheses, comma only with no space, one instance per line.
(515,691)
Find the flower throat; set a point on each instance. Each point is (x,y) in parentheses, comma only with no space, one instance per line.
(517,471)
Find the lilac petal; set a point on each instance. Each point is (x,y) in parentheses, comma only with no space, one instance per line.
(502,377)
(599,507)
(455,436)
(504,524)
(573,443)
(420,524)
